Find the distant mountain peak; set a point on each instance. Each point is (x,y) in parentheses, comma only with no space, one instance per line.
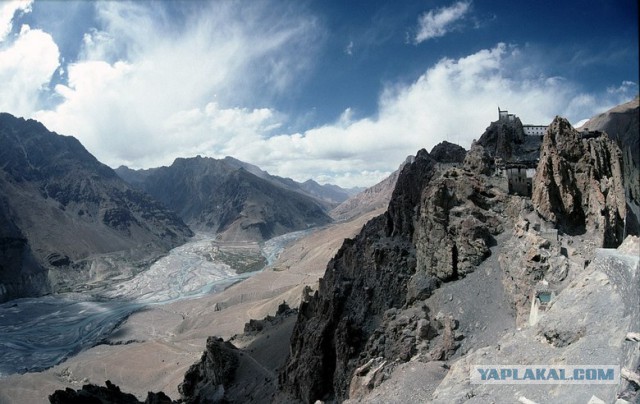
(237,200)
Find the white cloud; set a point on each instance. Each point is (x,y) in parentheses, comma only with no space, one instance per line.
(7,10)
(625,88)
(349,48)
(26,67)
(454,100)
(438,22)
(140,76)
(146,91)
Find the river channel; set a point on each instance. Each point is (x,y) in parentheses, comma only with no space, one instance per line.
(37,333)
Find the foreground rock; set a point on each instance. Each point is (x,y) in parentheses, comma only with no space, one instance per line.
(104,395)
(586,324)
(352,333)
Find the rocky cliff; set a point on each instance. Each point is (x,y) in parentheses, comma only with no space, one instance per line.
(439,228)
(215,196)
(63,213)
(579,184)
(506,140)
(352,326)
(622,125)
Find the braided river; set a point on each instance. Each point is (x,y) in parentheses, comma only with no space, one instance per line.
(37,333)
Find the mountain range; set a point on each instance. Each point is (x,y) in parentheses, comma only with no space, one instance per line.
(235,200)
(69,222)
(63,211)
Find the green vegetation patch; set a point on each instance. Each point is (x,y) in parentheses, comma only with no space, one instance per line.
(242,260)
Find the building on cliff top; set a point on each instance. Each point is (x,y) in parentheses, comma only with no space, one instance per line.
(519,174)
(530,130)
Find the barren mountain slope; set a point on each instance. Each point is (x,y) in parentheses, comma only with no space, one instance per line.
(216,196)
(61,208)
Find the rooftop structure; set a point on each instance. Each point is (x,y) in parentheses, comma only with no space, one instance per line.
(530,130)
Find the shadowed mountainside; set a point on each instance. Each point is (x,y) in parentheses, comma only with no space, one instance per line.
(60,208)
(216,196)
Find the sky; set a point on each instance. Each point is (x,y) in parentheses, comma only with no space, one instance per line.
(337,91)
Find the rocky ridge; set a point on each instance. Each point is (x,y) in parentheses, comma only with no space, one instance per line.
(351,326)
(439,227)
(328,193)
(217,196)
(579,184)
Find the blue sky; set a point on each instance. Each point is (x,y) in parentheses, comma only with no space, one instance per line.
(338,91)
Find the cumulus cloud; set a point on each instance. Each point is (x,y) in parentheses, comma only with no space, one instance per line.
(454,100)
(439,22)
(26,67)
(146,90)
(141,74)
(7,10)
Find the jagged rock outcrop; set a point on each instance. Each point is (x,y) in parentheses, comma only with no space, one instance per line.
(352,326)
(104,395)
(477,160)
(458,217)
(502,137)
(205,381)
(61,210)
(579,186)
(447,152)
(622,125)
(506,140)
(218,196)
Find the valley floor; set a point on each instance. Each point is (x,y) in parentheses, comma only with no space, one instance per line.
(152,350)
